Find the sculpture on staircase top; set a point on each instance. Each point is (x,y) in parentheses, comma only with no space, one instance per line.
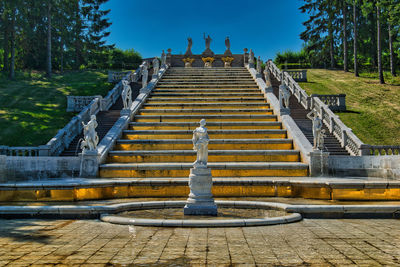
(207,52)
(189,47)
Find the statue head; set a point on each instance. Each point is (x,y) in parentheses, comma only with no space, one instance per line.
(93,117)
(202,122)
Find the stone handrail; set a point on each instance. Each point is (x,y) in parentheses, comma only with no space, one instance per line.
(334,102)
(343,133)
(383,150)
(64,137)
(116,76)
(298,75)
(28,151)
(107,143)
(77,103)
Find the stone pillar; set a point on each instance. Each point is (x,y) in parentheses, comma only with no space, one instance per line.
(342,102)
(200,201)
(3,165)
(245,57)
(319,163)
(89,164)
(169,56)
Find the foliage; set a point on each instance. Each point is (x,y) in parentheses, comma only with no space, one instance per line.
(78,29)
(324,34)
(373,108)
(33,107)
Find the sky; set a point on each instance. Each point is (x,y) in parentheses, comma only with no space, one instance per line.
(149,26)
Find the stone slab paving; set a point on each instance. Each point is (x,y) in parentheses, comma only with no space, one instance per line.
(311,242)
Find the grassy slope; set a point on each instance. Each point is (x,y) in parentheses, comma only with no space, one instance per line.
(33,108)
(373,109)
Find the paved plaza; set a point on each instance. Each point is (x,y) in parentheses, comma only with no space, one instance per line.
(311,242)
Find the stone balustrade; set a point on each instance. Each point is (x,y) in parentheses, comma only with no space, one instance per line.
(77,103)
(343,133)
(298,75)
(380,150)
(27,151)
(116,76)
(86,106)
(334,102)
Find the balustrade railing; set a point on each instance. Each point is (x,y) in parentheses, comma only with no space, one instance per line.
(343,133)
(116,76)
(64,137)
(298,75)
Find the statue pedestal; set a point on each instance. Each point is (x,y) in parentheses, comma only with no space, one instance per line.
(200,201)
(89,164)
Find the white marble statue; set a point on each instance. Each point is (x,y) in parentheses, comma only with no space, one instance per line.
(316,127)
(267,76)
(259,65)
(200,144)
(156,66)
(321,140)
(251,57)
(126,94)
(284,96)
(163,59)
(145,74)
(90,135)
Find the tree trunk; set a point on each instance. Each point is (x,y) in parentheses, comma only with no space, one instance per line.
(6,45)
(355,38)
(345,68)
(12,63)
(392,67)
(48,69)
(378,29)
(331,47)
(374,44)
(62,55)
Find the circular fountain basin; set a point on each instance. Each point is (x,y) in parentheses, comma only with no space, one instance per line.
(230,214)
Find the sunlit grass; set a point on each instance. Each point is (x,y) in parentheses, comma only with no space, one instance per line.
(373,108)
(33,108)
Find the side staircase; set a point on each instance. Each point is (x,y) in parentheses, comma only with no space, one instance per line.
(246,139)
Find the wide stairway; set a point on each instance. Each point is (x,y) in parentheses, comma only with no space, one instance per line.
(246,140)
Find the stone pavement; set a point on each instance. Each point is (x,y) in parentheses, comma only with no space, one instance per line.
(372,242)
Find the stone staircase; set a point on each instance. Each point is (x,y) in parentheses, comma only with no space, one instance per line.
(246,140)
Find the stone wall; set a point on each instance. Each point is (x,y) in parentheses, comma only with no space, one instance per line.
(29,168)
(365,166)
(176,61)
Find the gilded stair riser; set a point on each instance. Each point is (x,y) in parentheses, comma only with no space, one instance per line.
(147,191)
(212,136)
(110,173)
(283,146)
(183,119)
(209,127)
(211,158)
(206,101)
(233,112)
(222,106)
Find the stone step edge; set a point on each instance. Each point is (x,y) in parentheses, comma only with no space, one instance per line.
(212,165)
(210,152)
(216,131)
(211,123)
(212,141)
(306,182)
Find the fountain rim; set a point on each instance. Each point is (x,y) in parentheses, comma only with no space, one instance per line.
(115,219)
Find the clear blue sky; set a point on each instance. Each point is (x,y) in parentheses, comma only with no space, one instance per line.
(148,26)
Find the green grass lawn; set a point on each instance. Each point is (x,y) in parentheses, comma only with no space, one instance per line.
(33,108)
(373,109)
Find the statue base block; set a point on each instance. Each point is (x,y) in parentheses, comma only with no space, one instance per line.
(201,200)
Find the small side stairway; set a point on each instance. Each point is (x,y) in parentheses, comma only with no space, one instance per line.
(246,139)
